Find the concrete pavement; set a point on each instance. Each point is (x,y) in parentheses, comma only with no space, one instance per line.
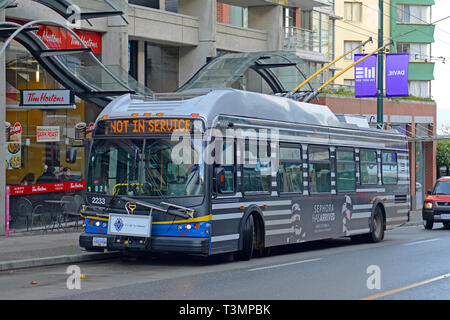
(37,249)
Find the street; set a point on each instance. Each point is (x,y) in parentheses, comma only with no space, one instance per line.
(411,263)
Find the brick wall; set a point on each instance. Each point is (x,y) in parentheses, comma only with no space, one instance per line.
(223,13)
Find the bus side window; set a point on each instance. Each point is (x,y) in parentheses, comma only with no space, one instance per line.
(290,170)
(369,166)
(257,170)
(346,170)
(389,167)
(319,169)
(227,162)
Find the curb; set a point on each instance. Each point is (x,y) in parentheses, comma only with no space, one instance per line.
(48,261)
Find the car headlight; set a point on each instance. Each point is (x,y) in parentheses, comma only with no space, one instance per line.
(428,205)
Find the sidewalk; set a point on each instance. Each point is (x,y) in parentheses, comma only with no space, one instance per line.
(35,250)
(26,250)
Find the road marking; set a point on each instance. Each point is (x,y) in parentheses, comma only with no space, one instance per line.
(413,285)
(420,242)
(283,264)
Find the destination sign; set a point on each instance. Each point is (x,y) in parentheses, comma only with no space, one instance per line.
(147,126)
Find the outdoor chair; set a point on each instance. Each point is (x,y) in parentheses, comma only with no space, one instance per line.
(71,206)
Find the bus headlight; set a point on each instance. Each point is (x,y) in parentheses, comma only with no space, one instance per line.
(428,205)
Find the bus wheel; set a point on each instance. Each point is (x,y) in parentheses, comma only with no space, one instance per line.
(377,229)
(376,233)
(248,234)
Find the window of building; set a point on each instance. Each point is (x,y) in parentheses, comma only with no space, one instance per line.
(349,45)
(389,173)
(290,169)
(419,88)
(417,51)
(146,3)
(349,82)
(232,15)
(352,11)
(161,67)
(132,58)
(306,19)
(369,167)
(407,13)
(319,170)
(257,171)
(346,170)
(169,5)
(288,21)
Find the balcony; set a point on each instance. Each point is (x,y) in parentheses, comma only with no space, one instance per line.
(304,4)
(298,38)
(405,32)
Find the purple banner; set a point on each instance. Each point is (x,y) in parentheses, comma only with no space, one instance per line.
(397,74)
(366,76)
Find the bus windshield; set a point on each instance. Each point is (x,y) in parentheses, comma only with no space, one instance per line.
(145,167)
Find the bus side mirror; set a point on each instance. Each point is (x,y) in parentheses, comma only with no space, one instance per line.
(430,191)
(219,177)
(71,155)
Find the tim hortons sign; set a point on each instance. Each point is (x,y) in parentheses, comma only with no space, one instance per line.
(46,97)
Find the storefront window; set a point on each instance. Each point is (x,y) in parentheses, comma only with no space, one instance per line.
(41,180)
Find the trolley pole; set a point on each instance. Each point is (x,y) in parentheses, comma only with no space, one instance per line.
(380,66)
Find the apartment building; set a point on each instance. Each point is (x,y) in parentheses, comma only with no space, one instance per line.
(408,24)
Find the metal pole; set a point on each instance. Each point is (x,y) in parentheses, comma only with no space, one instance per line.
(380,66)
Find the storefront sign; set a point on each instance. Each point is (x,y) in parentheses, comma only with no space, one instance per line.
(91,39)
(366,76)
(397,74)
(46,97)
(47,187)
(59,38)
(47,134)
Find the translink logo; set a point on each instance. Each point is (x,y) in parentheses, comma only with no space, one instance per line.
(365,73)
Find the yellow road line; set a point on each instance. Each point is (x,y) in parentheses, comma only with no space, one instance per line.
(413,285)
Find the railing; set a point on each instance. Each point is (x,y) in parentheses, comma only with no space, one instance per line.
(299,38)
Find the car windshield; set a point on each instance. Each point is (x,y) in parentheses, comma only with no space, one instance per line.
(442,187)
(145,167)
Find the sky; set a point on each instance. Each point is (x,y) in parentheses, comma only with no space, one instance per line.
(440,86)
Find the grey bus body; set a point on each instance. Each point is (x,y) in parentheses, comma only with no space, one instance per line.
(348,177)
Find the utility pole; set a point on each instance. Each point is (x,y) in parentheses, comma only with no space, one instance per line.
(380,66)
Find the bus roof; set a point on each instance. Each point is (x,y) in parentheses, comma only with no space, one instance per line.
(228,102)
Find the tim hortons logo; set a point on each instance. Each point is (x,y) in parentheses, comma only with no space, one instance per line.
(76,185)
(38,189)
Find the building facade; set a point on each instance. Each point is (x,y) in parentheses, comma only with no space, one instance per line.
(157,46)
(408,24)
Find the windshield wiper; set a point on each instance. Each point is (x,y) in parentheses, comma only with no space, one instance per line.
(188,213)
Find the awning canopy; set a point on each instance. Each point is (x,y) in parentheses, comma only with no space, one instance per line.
(75,69)
(81,9)
(281,70)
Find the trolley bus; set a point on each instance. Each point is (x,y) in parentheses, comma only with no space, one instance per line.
(276,172)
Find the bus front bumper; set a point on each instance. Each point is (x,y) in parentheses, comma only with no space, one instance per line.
(91,242)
